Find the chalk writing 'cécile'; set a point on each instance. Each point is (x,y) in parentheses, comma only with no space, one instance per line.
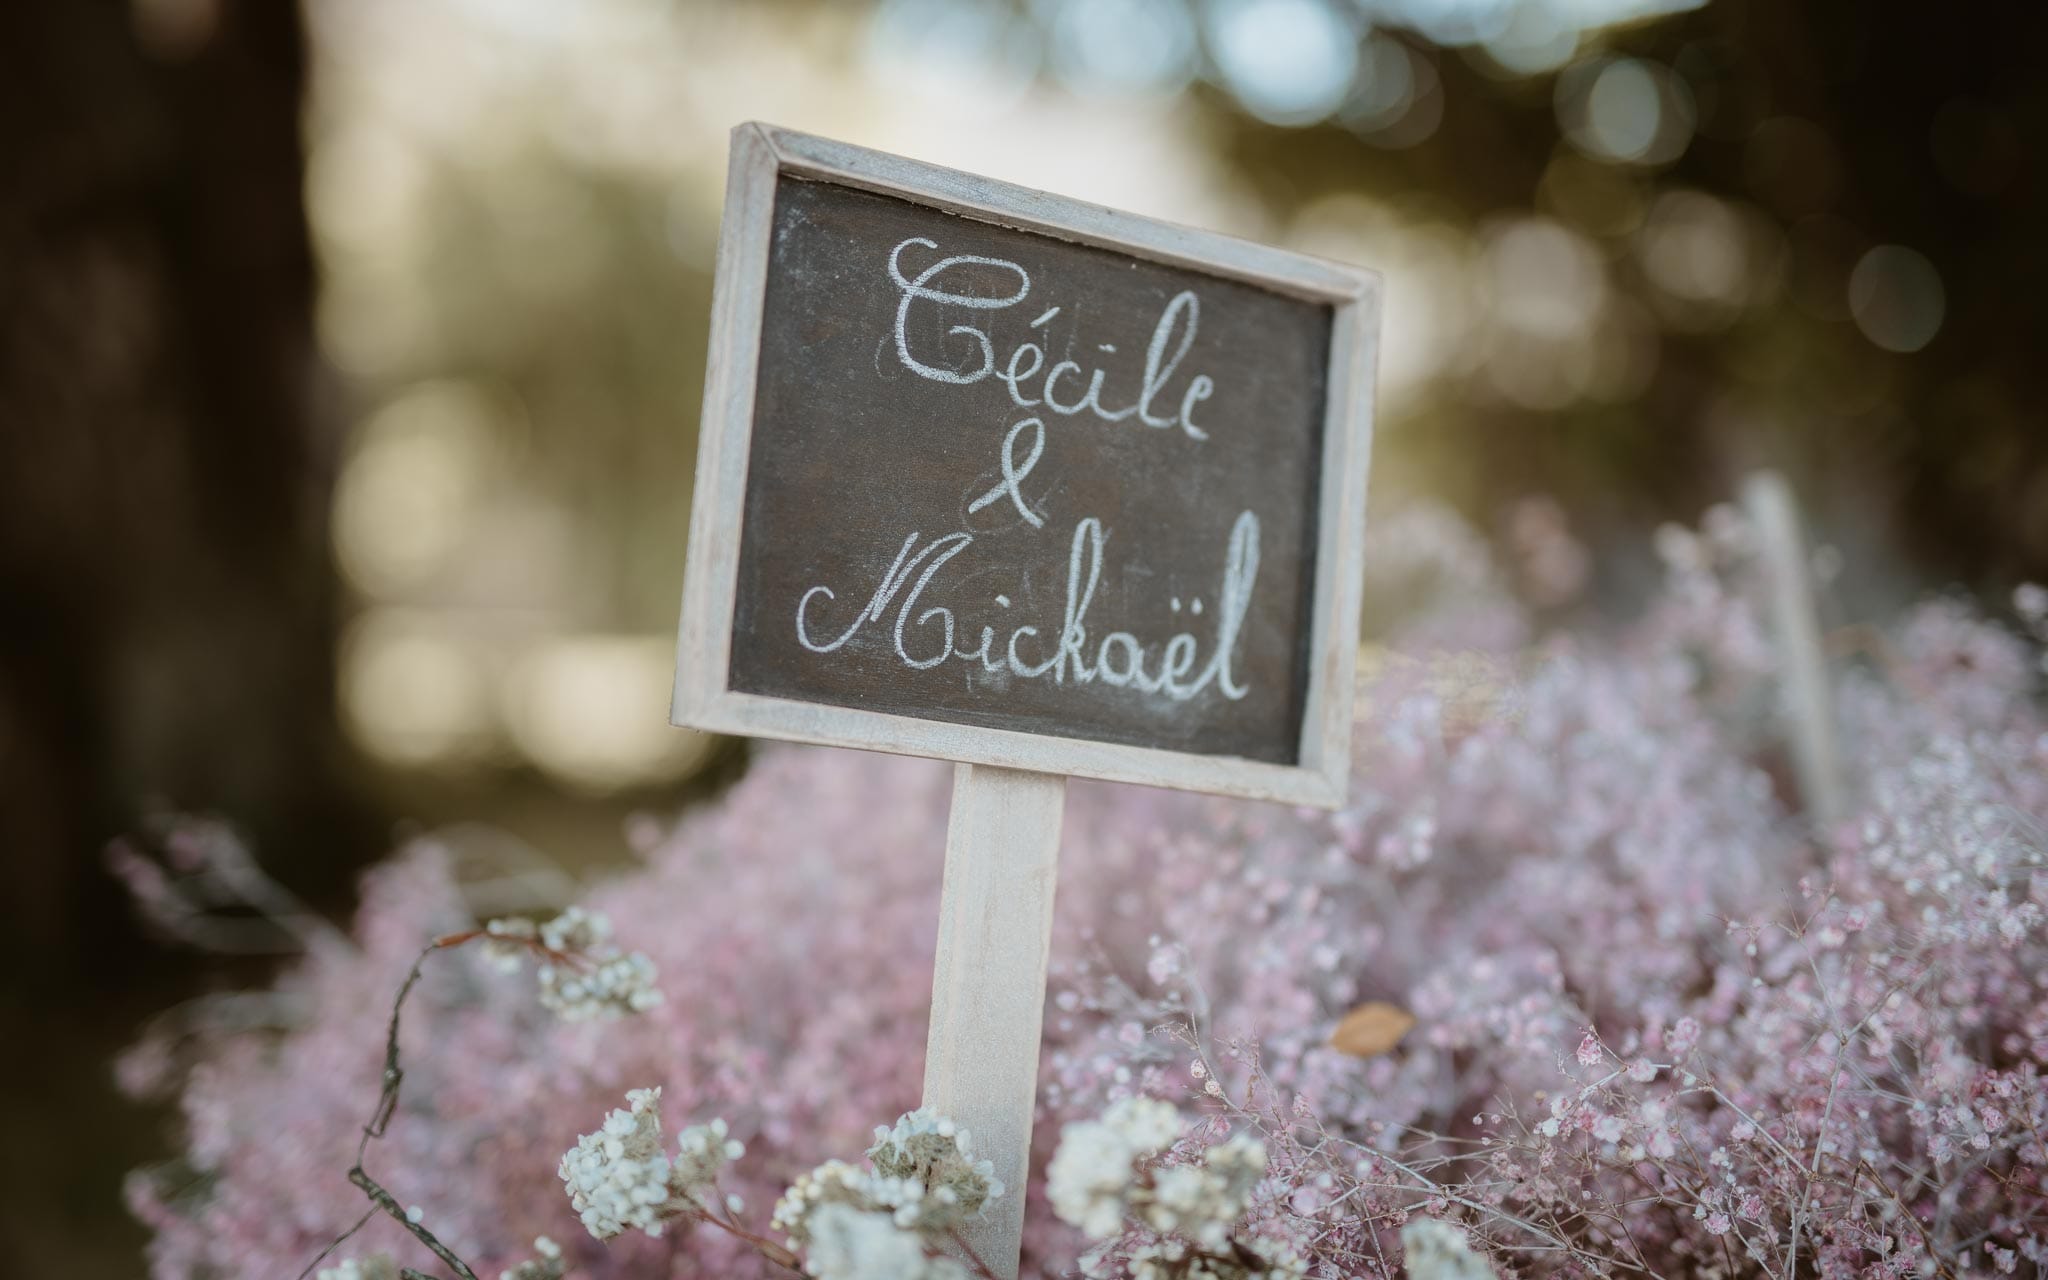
(1119,660)
(1176,329)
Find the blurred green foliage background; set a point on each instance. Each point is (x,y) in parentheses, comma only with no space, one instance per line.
(1632,254)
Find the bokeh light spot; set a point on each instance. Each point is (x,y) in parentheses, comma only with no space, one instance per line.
(590,710)
(974,55)
(1626,110)
(1122,46)
(1290,62)
(412,691)
(409,490)
(1896,298)
(1696,250)
(1622,111)
(1452,23)
(1537,38)
(1547,280)
(1549,292)
(1428,282)
(1398,100)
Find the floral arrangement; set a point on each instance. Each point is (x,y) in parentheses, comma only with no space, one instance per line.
(1573,986)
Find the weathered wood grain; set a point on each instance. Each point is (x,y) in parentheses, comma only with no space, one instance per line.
(988,984)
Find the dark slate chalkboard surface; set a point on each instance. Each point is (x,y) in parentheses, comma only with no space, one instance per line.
(1004,480)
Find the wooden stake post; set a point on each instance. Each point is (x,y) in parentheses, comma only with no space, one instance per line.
(1001,478)
(988,980)
(1808,696)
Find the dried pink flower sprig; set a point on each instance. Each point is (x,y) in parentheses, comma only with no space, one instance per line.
(582,976)
(799,1027)
(1663,1027)
(895,1221)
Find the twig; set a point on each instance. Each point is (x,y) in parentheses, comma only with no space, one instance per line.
(726,1222)
(338,1241)
(381,1200)
(387,1105)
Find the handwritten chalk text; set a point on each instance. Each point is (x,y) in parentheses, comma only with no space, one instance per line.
(1066,388)
(924,635)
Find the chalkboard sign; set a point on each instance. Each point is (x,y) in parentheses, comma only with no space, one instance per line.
(1003,478)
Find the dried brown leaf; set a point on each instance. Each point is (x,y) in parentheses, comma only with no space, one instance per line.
(1371,1029)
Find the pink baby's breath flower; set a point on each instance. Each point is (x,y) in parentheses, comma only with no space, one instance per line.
(1683,1037)
(2030,601)
(1568,826)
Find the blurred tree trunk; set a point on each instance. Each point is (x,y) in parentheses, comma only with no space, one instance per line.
(166,600)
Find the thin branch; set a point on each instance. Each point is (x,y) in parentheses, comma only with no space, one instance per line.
(384,1200)
(380,1118)
(381,1200)
(338,1241)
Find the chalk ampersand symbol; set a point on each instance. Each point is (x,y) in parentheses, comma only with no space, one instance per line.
(1014,473)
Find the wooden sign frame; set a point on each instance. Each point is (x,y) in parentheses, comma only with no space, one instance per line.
(761,155)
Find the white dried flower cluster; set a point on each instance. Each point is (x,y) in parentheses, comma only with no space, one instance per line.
(878,1224)
(619,983)
(702,1152)
(1104,1179)
(1202,1201)
(847,1243)
(1436,1250)
(619,1177)
(2030,600)
(1251,1257)
(930,1152)
(507,942)
(1095,1172)
(577,929)
(547,1263)
(595,980)
(833,1182)
(906,1203)
(374,1267)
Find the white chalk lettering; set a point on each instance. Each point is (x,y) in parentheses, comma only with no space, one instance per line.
(913,613)
(1014,473)
(913,290)
(1028,377)
(1121,660)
